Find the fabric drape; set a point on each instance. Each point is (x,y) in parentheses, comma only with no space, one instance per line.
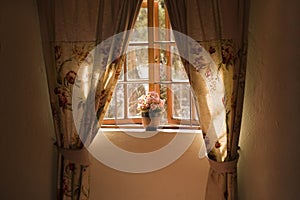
(71,31)
(220,27)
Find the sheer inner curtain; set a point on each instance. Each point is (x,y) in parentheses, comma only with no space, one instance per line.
(71,29)
(220,27)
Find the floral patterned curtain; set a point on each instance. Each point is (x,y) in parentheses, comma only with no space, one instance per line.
(71,29)
(217,78)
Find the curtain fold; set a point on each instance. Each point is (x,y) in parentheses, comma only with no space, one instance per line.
(71,31)
(220,27)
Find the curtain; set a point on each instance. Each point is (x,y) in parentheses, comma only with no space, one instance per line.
(219,27)
(71,31)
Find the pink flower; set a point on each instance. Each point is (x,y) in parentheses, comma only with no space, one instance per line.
(150,102)
(153,106)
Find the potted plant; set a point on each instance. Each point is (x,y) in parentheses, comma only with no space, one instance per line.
(151,106)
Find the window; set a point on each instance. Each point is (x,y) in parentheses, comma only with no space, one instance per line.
(150,66)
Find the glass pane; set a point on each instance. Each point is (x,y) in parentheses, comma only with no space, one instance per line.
(137,63)
(121,77)
(181,101)
(140,32)
(178,71)
(134,91)
(163,95)
(110,113)
(162,20)
(119,92)
(172,35)
(163,59)
(116,106)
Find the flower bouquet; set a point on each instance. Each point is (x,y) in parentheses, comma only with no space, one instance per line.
(151,106)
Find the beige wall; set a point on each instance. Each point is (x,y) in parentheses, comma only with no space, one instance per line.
(27,168)
(185,179)
(270,162)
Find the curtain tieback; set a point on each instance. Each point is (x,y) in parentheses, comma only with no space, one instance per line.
(77,156)
(224,167)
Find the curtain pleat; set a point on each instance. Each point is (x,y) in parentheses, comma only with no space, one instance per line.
(220,27)
(71,31)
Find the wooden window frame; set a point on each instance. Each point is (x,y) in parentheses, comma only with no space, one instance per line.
(154,72)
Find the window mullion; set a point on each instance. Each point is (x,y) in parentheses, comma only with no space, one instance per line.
(125,90)
(151,60)
(156,48)
(169,67)
(169,78)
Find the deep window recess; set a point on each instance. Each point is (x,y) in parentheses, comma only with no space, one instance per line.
(150,66)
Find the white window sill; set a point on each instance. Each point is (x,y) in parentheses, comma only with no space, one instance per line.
(142,130)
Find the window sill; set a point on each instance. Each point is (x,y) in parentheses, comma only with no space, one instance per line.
(162,129)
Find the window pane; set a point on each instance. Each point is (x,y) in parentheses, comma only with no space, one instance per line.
(134,91)
(121,77)
(162,20)
(137,63)
(181,101)
(140,32)
(120,101)
(178,71)
(116,106)
(163,95)
(172,36)
(163,59)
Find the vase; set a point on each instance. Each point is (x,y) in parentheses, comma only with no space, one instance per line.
(151,120)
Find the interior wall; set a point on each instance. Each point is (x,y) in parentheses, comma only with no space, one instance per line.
(269,156)
(184,179)
(26,141)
